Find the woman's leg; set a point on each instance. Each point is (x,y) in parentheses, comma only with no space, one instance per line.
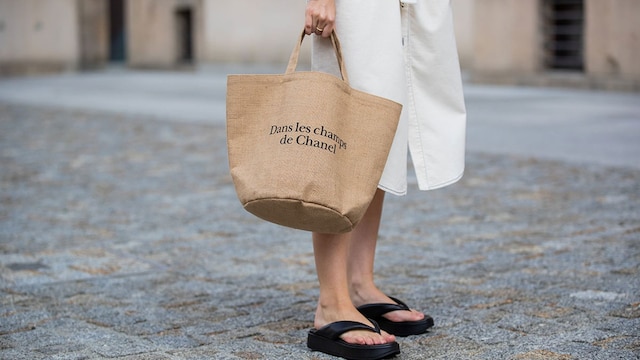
(362,249)
(330,253)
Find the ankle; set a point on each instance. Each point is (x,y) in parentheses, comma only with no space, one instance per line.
(363,292)
(332,311)
(334,302)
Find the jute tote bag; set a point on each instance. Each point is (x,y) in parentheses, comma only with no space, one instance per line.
(305,149)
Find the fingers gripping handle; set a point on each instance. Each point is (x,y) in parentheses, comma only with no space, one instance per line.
(293,60)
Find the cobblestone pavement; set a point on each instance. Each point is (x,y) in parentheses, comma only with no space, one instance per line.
(121,238)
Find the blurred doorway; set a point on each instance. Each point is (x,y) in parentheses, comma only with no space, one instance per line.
(117,31)
(184,35)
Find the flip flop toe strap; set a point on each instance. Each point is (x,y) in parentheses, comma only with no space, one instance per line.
(377,310)
(334,330)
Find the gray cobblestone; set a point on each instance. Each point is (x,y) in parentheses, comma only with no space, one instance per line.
(121,237)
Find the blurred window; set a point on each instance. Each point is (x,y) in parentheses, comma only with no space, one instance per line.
(563,30)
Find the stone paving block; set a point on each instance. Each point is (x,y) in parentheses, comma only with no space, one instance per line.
(12,354)
(150,356)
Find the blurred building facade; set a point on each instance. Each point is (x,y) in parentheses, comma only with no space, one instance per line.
(584,43)
(58,35)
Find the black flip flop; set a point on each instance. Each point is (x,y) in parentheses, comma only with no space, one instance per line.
(327,340)
(404,328)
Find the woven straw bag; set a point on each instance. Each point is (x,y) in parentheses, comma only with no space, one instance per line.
(305,149)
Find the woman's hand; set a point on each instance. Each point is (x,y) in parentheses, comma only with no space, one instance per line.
(320,17)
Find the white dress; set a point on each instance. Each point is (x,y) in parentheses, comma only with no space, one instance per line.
(407,53)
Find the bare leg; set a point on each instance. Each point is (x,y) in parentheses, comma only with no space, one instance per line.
(335,304)
(362,249)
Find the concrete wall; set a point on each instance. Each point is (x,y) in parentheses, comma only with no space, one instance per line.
(252,30)
(506,36)
(38,35)
(93,22)
(152,32)
(463,20)
(613,38)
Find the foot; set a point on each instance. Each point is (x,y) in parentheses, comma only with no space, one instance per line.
(372,295)
(326,315)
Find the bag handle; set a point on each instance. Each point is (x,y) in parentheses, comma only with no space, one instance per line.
(293,60)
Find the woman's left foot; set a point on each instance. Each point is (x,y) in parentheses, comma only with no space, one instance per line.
(397,318)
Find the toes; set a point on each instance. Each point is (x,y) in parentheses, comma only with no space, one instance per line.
(388,337)
(369,339)
(358,340)
(400,315)
(379,340)
(417,315)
